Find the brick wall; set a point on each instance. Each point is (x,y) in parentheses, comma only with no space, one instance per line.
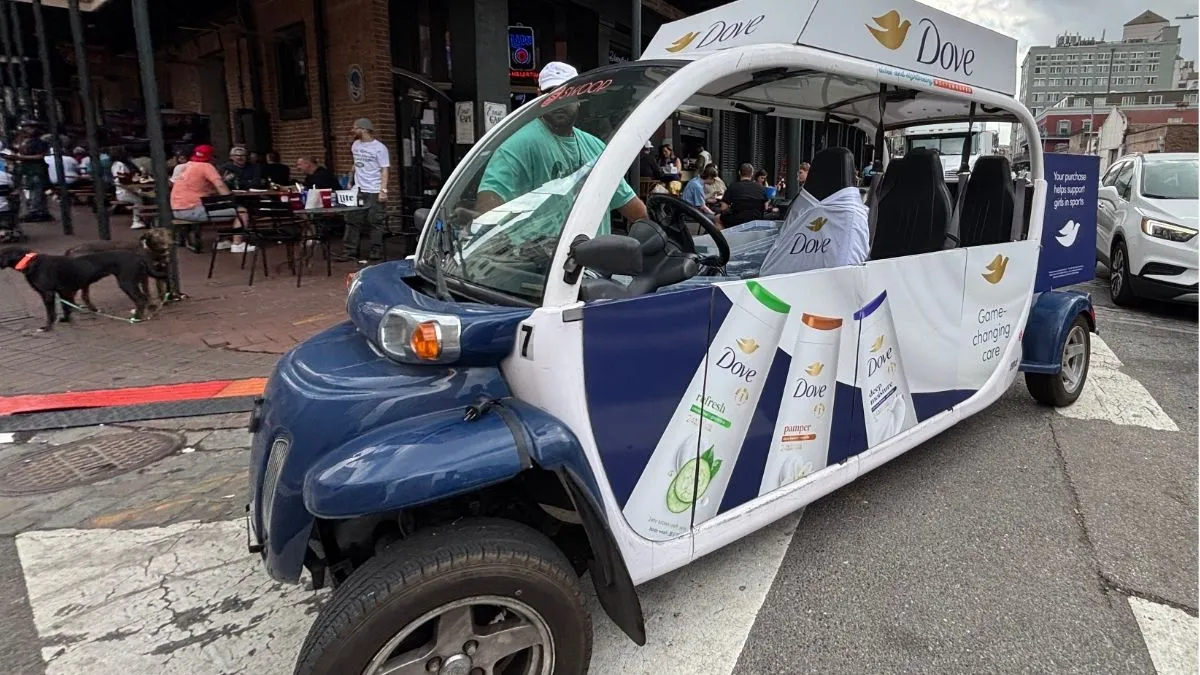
(1165,138)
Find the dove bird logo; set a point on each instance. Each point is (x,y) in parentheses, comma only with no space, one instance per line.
(891,31)
(683,42)
(1066,236)
(995,269)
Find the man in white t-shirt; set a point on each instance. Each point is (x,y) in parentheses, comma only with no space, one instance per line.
(370,176)
(70,169)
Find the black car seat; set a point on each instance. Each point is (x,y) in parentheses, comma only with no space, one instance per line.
(914,207)
(987,209)
(832,169)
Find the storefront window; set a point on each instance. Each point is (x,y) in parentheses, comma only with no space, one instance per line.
(291,72)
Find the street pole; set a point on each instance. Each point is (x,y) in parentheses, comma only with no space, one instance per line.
(635,37)
(158,148)
(6,38)
(99,180)
(22,93)
(64,197)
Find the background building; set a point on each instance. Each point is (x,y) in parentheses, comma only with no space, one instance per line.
(1145,59)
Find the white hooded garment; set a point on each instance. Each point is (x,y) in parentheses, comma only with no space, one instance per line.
(833,233)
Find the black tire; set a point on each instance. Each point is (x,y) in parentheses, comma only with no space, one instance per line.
(1120,279)
(1057,390)
(436,567)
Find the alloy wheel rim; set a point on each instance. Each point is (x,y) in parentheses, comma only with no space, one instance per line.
(1074,359)
(480,635)
(1117,275)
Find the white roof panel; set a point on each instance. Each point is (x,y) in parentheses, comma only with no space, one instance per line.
(903,34)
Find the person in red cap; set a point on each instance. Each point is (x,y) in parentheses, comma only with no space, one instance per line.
(197,180)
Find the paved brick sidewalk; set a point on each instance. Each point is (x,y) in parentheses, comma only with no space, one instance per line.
(225,329)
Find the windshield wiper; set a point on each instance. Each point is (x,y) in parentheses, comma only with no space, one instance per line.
(1147,195)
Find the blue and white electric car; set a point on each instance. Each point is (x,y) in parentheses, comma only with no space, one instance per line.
(529,398)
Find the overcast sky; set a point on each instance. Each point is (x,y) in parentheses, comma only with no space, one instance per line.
(1037,22)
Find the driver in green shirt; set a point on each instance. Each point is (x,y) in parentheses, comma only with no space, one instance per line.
(548,149)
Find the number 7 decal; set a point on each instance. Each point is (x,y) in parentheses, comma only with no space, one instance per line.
(526,338)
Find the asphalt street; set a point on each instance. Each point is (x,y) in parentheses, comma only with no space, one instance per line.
(1025,539)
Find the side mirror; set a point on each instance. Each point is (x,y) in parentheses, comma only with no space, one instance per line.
(609,253)
(1108,193)
(419,218)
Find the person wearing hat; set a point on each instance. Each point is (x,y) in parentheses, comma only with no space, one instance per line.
(370,175)
(547,149)
(239,173)
(200,179)
(647,167)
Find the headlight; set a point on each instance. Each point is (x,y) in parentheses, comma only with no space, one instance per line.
(279,452)
(420,337)
(1168,231)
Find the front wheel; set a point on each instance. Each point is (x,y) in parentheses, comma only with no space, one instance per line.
(481,597)
(1063,389)
(1120,284)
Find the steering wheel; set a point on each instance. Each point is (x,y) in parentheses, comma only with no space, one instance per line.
(669,212)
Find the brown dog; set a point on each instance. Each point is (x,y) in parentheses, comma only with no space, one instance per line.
(155,243)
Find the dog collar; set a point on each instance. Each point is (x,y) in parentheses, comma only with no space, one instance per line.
(24,261)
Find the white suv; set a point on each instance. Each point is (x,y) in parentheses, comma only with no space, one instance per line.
(1146,227)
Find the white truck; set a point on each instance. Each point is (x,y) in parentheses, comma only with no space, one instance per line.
(948,140)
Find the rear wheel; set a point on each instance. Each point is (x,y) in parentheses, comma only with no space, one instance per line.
(1063,389)
(1120,287)
(482,597)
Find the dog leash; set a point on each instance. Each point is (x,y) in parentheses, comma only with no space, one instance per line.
(76,307)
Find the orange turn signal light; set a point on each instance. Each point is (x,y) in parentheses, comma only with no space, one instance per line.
(350,279)
(426,341)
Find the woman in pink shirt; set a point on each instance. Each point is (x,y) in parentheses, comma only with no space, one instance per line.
(199,179)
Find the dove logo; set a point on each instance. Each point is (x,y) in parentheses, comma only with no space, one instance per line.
(892,31)
(722,31)
(995,269)
(1066,236)
(951,57)
(683,42)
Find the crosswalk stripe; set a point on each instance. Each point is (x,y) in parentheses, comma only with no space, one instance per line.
(1114,396)
(1171,636)
(188,599)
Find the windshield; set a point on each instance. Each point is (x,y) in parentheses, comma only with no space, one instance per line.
(501,217)
(1170,178)
(947,145)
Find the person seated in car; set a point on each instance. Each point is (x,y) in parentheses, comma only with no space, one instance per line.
(548,149)
(833,232)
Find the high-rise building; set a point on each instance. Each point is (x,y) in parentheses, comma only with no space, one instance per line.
(1086,70)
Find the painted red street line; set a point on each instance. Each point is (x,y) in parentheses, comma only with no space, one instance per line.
(101,398)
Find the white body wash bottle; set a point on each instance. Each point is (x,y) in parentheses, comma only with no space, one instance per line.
(887,403)
(691,464)
(800,443)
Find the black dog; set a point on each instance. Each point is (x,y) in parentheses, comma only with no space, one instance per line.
(53,274)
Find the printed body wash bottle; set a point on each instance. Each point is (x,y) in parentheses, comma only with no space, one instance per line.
(800,444)
(691,464)
(887,403)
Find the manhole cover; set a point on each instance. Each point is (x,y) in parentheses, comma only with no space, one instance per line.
(83,462)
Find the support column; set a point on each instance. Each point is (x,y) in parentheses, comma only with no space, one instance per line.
(158,148)
(9,69)
(98,175)
(64,197)
(635,33)
(479,49)
(23,102)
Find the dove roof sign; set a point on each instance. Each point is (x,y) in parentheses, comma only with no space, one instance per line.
(900,33)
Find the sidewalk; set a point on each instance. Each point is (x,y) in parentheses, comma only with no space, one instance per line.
(224,330)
